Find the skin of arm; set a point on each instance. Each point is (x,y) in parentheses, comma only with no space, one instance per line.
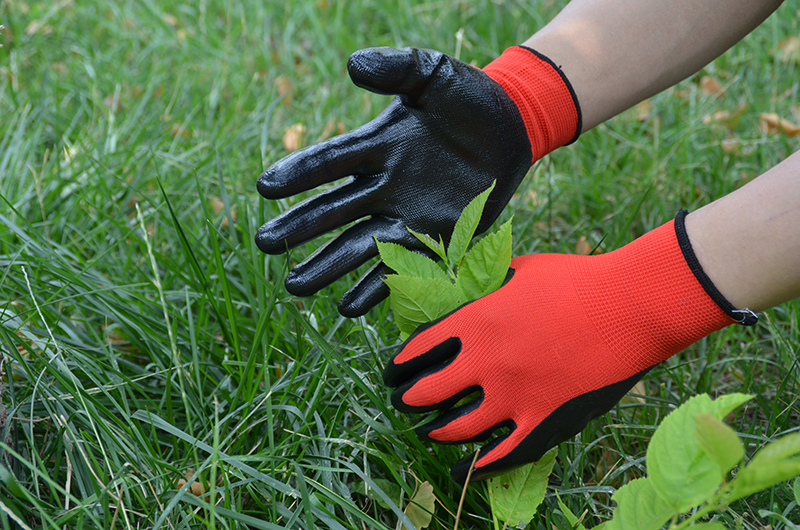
(748,242)
(617,53)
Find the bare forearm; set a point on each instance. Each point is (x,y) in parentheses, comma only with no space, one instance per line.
(748,242)
(619,52)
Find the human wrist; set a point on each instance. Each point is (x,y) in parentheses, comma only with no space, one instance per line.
(543,95)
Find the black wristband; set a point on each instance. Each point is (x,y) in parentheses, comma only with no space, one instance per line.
(745,316)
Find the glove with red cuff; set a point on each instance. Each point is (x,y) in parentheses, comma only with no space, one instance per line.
(451,131)
(558,345)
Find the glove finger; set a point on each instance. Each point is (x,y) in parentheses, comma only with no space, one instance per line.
(439,386)
(358,152)
(498,456)
(318,215)
(347,252)
(368,292)
(387,70)
(469,423)
(429,347)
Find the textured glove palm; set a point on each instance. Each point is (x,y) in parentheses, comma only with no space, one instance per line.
(556,346)
(448,135)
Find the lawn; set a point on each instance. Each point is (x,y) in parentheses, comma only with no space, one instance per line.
(156,374)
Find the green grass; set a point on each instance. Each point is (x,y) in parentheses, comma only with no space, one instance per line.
(146,340)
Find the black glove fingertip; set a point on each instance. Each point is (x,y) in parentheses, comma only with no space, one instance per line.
(368,292)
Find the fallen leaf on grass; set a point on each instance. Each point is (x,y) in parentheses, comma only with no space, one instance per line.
(730,146)
(420,507)
(725,117)
(170,20)
(643,109)
(582,247)
(711,87)
(36,26)
(789,50)
(293,137)
(772,123)
(331,127)
(285,89)
(196,488)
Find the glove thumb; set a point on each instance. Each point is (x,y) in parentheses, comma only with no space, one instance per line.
(387,70)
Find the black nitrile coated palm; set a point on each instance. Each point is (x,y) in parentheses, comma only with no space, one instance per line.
(448,135)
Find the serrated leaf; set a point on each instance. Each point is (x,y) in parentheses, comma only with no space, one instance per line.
(572,519)
(404,261)
(436,246)
(796,489)
(718,441)
(420,507)
(416,301)
(465,227)
(486,265)
(773,464)
(682,474)
(639,507)
(518,493)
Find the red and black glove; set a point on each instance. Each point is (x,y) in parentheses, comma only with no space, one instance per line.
(451,132)
(558,345)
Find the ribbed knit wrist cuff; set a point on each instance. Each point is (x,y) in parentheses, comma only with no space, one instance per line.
(745,316)
(542,93)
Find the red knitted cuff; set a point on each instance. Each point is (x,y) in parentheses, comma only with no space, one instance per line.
(543,95)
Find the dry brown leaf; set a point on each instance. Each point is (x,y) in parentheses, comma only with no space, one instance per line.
(582,247)
(730,146)
(772,123)
(170,20)
(285,89)
(216,205)
(789,49)
(643,109)
(725,117)
(177,130)
(225,219)
(681,94)
(37,26)
(293,137)
(330,127)
(711,87)
(195,489)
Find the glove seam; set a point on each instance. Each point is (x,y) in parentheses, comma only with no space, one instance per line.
(745,316)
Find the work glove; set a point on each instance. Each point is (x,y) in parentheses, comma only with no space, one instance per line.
(558,345)
(451,131)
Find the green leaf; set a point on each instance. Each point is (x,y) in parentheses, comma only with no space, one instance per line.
(519,492)
(572,519)
(486,265)
(639,507)
(709,526)
(465,227)
(416,301)
(391,489)
(773,464)
(436,246)
(718,441)
(682,474)
(796,489)
(404,261)
(420,507)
